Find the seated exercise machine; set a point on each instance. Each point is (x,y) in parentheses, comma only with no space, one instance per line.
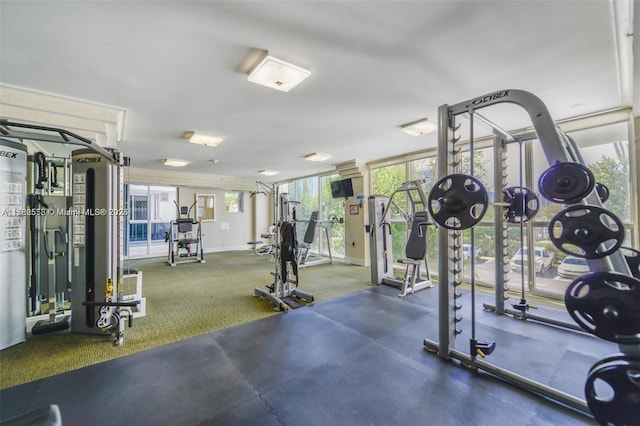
(284,291)
(185,244)
(309,238)
(261,248)
(416,253)
(381,244)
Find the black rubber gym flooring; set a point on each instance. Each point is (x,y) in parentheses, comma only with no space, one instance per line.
(353,360)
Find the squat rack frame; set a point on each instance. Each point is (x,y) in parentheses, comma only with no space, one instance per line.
(556,148)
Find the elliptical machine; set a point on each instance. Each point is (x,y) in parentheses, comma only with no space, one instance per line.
(181,237)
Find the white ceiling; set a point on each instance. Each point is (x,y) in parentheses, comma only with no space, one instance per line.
(181,65)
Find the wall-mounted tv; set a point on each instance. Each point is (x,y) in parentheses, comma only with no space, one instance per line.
(342,188)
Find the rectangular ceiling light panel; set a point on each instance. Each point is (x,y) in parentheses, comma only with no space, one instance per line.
(277,74)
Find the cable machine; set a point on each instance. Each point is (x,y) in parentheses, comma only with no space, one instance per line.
(603,303)
(184,246)
(284,291)
(75,233)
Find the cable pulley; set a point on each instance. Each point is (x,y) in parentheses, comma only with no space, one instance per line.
(458,201)
(566,183)
(606,304)
(522,204)
(612,390)
(588,232)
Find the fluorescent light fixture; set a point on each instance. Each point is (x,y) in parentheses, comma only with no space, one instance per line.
(420,127)
(277,74)
(317,156)
(202,138)
(268,172)
(173,162)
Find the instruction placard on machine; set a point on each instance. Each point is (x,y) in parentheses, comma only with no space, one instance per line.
(12,200)
(79,201)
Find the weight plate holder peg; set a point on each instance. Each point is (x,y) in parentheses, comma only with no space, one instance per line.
(612,390)
(606,304)
(588,232)
(566,183)
(522,203)
(458,201)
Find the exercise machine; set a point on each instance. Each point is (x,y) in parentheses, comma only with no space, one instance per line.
(309,238)
(75,231)
(603,303)
(381,243)
(283,292)
(185,242)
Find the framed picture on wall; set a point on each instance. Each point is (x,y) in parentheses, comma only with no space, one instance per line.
(354,209)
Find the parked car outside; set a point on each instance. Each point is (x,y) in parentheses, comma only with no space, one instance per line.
(466,251)
(543,259)
(573,267)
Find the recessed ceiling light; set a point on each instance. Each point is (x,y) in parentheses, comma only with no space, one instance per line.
(268,172)
(202,138)
(317,156)
(173,162)
(420,127)
(277,74)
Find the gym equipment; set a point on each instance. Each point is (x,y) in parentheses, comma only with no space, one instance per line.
(380,240)
(558,149)
(632,257)
(87,236)
(522,204)
(566,182)
(603,192)
(261,248)
(606,304)
(304,247)
(181,237)
(612,390)
(458,201)
(13,170)
(50,245)
(415,254)
(588,232)
(284,291)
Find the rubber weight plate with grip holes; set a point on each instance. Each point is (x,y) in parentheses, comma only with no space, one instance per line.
(566,183)
(588,232)
(606,304)
(458,201)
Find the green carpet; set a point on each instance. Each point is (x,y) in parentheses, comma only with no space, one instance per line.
(184,301)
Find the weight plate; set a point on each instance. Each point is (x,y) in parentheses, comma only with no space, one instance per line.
(603,192)
(589,232)
(523,204)
(606,304)
(458,201)
(612,390)
(632,257)
(566,183)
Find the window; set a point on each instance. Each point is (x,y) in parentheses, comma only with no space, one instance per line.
(151,210)
(233,202)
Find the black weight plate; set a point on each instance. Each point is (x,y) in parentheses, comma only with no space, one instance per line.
(606,304)
(603,192)
(616,402)
(458,201)
(566,183)
(523,204)
(589,232)
(632,257)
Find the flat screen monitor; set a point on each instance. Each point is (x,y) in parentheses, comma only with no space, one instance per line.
(342,188)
